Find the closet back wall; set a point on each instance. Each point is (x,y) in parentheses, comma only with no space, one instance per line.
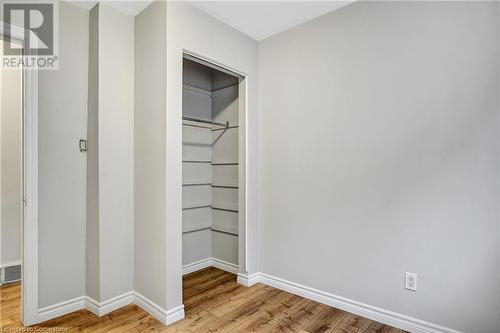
(378,154)
(197,146)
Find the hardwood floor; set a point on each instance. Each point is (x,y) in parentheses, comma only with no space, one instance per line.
(213,302)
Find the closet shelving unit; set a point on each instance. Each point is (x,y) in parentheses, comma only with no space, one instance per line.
(215,127)
(210,168)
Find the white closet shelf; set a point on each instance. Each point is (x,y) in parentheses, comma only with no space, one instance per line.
(198,144)
(195,161)
(226,229)
(198,205)
(196,228)
(197,183)
(196,89)
(225,184)
(223,229)
(225,206)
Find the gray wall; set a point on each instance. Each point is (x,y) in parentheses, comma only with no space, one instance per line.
(116,152)
(92,226)
(76,257)
(62,181)
(378,154)
(149,153)
(196,75)
(193,30)
(11,165)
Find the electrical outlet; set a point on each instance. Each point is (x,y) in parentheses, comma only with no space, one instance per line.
(411,281)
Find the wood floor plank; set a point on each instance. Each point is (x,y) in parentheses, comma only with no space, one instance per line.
(326,321)
(297,320)
(233,313)
(213,302)
(353,324)
(272,309)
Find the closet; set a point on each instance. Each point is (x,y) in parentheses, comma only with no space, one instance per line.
(210,169)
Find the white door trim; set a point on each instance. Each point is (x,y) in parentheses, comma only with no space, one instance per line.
(29,265)
(242,149)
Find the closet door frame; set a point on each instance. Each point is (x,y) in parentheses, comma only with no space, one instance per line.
(29,258)
(242,150)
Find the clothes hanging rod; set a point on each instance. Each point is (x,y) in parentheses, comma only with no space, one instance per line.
(205,121)
(228,163)
(196,184)
(197,126)
(223,129)
(225,186)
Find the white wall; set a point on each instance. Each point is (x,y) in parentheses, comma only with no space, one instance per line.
(116,152)
(149,153)
(62,185)
(66,269)
(190,29)
(378,154)
(11,113)
(92,204)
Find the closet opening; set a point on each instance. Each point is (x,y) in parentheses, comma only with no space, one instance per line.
(213,179)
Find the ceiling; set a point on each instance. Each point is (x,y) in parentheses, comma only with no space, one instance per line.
(257,19)
(127,7)
(262,19)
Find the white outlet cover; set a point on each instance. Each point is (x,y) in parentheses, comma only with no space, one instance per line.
(411,281)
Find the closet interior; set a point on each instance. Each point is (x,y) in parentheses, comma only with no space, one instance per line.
(210,168)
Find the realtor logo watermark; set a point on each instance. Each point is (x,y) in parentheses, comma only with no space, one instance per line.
(37,22)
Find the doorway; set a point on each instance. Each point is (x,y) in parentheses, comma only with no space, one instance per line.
(27,312)
(213,172)
(11,188)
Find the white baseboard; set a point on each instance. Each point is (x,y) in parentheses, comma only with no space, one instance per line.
(102,308)
(225,266)
(168,317)
(383,316)
(210,262)
(61,309)
(175,314)
(196,266)
(248,280)
(165,317)
(10,264)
